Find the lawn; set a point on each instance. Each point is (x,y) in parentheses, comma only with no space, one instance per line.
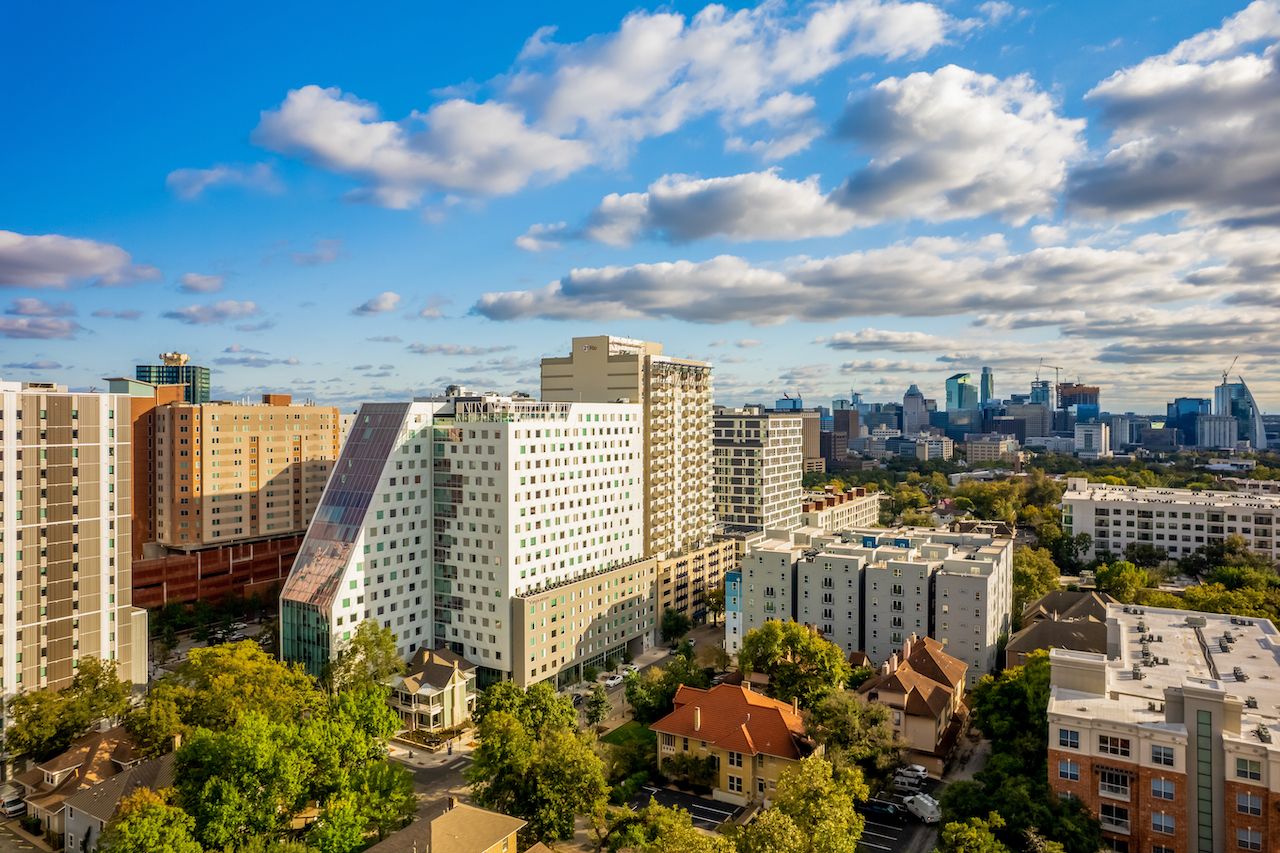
(630,733)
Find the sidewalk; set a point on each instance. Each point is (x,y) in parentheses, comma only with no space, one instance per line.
(420,756)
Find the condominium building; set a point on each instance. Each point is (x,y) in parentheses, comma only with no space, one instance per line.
(462,520)
(990,447)
(675,396)
(758,468)
(1092,441)
(685,579)
(1177,521)
(1216,432)
(1169,737)
(810,440)
(831,511)
(66,470)
(175,368)
(868,589)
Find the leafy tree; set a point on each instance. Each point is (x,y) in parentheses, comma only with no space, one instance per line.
(537,708)
(972,836)
(800,663)
(651,693)
(244,781)
(1122,579)
(385,793)
(1034,574)
(819,801)
(340,827)
(1144,555)
(659,829)
(859,675)
(545,776)
(369,657)
(714,599)
(598,706)
(43,723)
(146,822)
(854,731)
(674,625)
(1011,709)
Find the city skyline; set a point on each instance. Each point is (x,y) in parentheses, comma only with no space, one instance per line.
(857,195)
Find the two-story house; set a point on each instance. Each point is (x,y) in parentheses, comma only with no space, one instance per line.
(437,691)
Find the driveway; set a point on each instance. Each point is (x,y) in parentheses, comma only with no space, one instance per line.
(11,840)
(706,813)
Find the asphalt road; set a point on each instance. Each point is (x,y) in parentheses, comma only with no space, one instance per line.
(705,813)
(12,841)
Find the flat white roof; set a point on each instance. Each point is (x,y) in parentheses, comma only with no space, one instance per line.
(1102,492)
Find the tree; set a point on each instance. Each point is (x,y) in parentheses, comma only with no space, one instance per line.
(651,693)
(819,801)
(146,822)
(674,625)
(1122,579)
(43,723)
(340,827)
(537,708)
(854,731)
(714,599)
(369,657)
(598,706)
(1011,709)
(1034,574)
(659,829)
(385,794)
(972,836)
(800,663)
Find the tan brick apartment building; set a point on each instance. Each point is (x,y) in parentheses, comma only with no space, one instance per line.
(1169,737)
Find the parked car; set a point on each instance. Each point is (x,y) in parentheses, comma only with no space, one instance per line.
(883,810)
(11,802)
(629,667)
(924,807)
(915,770)
(613,681)
(577,700)
(905,786)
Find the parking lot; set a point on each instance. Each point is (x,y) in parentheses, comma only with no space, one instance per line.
(910,834)
(706,813)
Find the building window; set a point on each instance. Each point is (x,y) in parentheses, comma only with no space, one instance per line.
(1162,822)
(1114,818)
(1068,739)
(1162,755)
(735,784)
(1162,789)
(1248,839)
(1069,770)
(1109,745)
(1161,848)
(669,742)
(1249,804)
(1247,768)
(735,759)
(1112,783)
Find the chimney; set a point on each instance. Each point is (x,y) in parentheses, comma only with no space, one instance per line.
(697,718)
(449,805)
(795,704)
(177,741)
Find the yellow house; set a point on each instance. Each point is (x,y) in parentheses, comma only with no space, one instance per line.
(437,691)
(924,690)
(460,828)
(751,738)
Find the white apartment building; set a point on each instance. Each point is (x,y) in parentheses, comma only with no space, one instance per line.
(1177,521)
(66,469)
(832,511)
(1172,738)
(442,513)
(759,465)
(1092,441)
(868,589)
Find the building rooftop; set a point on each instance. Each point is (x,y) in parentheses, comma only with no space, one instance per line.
(102,800)
(1078,488)
(738,719)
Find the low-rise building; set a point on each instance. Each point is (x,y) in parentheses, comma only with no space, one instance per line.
(89,810)
(459,828)
(1062,619)
(1169,738)
(923,687)
(990,447)
(437,690)
(832,511)
(751,738)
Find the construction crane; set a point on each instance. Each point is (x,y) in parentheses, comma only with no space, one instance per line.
(1228,370)
(1057,372)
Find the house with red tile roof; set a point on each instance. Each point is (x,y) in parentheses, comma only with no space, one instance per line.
(924,690)
(750,738)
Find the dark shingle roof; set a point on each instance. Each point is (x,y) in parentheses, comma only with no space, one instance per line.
(103,799)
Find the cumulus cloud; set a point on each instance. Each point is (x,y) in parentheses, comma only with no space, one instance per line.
(955,144)
(455,349)
(882,339)
(30,306)
(38,364)
(214,313)
(1196,129)
(324,252)
(384,302)
(52,260)
(196,283)
(189,184)
(46,328)
(434,309)
(240,348)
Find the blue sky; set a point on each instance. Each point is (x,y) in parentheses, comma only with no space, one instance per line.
(817,197)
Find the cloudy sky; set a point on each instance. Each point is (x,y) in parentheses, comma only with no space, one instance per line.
(817,197)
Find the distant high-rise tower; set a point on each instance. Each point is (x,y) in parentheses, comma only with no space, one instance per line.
(987,387)
(1042,392)
(1182,413)
(1235,399)
(175,370)
(961,393)
(915,414)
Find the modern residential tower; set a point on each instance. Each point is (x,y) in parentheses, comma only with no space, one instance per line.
(175,369)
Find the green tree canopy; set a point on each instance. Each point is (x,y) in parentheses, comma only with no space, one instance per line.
(340,827)
(659,829)
(145,823)
(43,723)
(714,599)
(972,836)
(369,657)
(800,663)
(674,625)
(1034,574)
(652,693)
(854,731)
(1122,579)
(816,811)
(598,706)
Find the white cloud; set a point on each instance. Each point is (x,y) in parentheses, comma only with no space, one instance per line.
(42,328)
(256,361)
(884,339)
(456,349)
(1196,129)
(539,238)
(193,282)
(52,260)
(956,144)
(118,314)
(323,252)
(384,302)
(30,306)
(214,313)
(189,184)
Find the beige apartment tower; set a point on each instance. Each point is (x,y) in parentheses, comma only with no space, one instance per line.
(66,469)
(676,396)
(231,472)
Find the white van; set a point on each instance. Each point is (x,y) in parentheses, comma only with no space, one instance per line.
(924,807)
(11,802)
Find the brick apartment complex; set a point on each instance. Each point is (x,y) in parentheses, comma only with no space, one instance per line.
(1168,737)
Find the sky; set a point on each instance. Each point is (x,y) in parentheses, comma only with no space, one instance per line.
(368,204)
